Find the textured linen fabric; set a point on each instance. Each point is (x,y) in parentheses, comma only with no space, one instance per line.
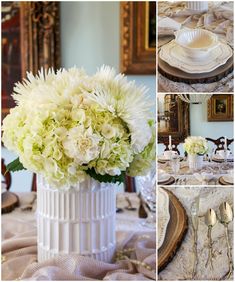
(19,253)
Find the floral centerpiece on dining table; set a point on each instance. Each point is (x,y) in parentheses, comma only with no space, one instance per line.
(196,147)
(79,133)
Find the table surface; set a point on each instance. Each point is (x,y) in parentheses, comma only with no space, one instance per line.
(19,225)
(217,20)
(188,175)
(180,268)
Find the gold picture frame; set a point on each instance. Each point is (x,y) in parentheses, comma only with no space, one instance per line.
(138,40)
(220,107)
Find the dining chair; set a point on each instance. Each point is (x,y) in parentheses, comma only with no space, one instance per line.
(6,175)
(219,142)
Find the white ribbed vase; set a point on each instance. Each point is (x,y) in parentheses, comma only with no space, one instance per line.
(195,162)
(199,6)
(80,220)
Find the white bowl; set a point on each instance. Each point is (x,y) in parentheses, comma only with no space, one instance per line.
(221,153)
(196,43)
(170,154)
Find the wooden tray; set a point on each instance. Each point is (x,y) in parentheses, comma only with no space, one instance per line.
(9,202)
(168,182)
(178,75)
(176,230)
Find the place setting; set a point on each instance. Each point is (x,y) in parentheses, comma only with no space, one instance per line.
(195,46)
(197,167)
(195,231)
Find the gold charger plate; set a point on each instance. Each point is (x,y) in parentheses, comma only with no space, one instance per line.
(176,230)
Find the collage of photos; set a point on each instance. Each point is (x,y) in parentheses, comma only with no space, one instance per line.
(117,140)
(195,144)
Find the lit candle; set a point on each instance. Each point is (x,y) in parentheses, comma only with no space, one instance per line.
(225,143)
(170,145)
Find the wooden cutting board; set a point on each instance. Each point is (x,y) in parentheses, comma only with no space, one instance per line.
(176,230)
(9,202)
(178,75)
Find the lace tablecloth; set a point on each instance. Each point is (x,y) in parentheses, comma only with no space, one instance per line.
(19,249)
(218,19)
(180,268)
(186,177)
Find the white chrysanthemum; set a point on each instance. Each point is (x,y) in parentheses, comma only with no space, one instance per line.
(130,103)
(67,123)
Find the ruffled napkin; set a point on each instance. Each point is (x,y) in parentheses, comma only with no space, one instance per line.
(204,177)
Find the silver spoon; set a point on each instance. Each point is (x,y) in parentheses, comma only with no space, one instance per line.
(210,220)
(226,216)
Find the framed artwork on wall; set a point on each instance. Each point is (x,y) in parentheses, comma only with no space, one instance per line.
(220,107)
(30,40)
(173,118)
(138,37)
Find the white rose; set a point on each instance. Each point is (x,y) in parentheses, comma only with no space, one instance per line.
(82,144)
(108,131)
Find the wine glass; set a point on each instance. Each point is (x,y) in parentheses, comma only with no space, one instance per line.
(175,165)
(147,186)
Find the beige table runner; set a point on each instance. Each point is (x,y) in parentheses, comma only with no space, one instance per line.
(19,253)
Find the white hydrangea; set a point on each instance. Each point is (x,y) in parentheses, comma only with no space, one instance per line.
(66,123)
(194,145)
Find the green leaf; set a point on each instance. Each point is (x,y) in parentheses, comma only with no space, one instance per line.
(15,165)
(106,178)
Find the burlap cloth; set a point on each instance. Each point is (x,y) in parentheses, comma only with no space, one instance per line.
(19,255)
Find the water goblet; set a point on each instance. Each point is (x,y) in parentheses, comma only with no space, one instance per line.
(148,188)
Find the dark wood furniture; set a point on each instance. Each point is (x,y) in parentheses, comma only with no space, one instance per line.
(219,142)
(6,175)
(173,118)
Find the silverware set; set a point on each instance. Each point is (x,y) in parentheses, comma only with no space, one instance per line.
(211,219)
(181,181)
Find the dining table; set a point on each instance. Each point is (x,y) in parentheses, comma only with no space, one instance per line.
(173,16)
(180,267)
(134,259)
(212,173)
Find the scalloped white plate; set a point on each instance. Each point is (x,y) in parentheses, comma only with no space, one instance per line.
(163,215)
(174,55)
(228,179)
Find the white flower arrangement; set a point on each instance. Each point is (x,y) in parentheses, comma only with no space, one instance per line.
(194,145)
(67,124)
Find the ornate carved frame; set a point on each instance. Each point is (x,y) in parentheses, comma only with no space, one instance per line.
(40,35)
(136,57)
(211,108)
(183,125)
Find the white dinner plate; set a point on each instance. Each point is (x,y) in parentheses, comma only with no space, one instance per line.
(163,158)
(163,177)
(220,158)
(174,55)
(163,215)
(229,179)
